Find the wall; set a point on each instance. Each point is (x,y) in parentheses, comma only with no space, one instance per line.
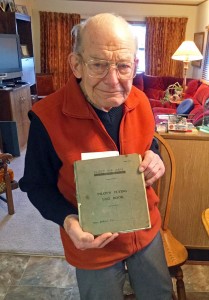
(132,12)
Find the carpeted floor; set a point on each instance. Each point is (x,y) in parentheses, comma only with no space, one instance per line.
(48,277)
(26,231)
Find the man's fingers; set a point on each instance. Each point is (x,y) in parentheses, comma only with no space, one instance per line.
(152,170)
(148,158)
(104,241)
(100,241)
(81,239)
(154,175)
(152,166)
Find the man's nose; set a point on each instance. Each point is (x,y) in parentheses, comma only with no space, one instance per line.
(112,75)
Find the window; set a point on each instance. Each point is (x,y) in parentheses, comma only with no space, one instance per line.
(205,73)
(139,29)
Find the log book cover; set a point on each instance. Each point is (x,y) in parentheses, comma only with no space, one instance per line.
(111,194)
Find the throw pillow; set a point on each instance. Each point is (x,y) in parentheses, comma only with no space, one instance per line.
(185,107)
(192,87)
(168,80)
(202,93)
(2,182)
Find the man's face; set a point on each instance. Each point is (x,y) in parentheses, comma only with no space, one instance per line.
(113,45)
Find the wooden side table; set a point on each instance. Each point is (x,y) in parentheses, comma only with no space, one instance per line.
(191,193)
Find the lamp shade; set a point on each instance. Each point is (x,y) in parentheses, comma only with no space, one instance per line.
(187,51)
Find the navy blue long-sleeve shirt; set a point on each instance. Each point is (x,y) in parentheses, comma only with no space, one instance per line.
(42,166)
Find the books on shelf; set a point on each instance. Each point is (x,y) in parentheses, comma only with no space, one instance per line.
(111,194)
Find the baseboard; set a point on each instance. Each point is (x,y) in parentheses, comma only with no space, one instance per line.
(198,255)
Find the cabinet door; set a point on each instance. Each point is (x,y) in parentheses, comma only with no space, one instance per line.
(7,22)
(20,105)
(5,105)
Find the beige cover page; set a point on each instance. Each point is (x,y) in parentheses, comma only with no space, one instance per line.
(111,194)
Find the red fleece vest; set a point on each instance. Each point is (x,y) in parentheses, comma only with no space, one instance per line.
(74,127)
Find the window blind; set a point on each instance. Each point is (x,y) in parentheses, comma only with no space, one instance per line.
(205,72)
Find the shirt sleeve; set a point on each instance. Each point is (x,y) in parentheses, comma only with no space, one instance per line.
(155,147)
(40,177)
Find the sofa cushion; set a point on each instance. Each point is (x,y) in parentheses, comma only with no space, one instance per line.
(154,93)
(153,87)
(138,81)
(168,80)
(196,112)
(192,88)
(202,93)
(158,103)
(153,82)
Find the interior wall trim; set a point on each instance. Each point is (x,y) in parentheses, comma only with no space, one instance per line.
(143,2)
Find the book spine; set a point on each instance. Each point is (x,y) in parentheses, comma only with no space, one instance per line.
(77,193)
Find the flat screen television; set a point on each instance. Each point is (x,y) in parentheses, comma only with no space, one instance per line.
(10,57)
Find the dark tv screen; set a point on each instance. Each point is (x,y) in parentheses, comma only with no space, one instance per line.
(10,56)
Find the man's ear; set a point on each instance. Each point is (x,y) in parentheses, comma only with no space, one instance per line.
(76,64)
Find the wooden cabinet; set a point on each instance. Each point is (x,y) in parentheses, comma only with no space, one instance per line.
(14,106)
(191,194)
(16,23)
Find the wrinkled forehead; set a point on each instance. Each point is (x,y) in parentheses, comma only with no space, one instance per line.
(111,35)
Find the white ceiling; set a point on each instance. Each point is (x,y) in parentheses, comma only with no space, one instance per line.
(179,2)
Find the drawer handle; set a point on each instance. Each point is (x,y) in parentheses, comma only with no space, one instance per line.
(22,99)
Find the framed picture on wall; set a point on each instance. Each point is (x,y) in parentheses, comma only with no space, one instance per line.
(199,41)
(21,9)
(24,51)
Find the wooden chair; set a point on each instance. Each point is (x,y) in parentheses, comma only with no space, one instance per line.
(205,219)
(6,186)
(44,84)
(175,253)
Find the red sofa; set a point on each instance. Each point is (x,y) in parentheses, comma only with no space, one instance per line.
(196,114)
(154,87)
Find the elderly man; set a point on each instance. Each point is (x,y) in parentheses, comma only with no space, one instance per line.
(98,110)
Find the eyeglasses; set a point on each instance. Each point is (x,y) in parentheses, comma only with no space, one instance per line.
(98,68)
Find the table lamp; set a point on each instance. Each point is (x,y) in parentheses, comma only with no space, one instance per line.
(187,52)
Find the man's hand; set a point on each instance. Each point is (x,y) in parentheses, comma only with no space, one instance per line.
(85,240)
(152,166)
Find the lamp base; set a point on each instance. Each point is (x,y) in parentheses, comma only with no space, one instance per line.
(186,66)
